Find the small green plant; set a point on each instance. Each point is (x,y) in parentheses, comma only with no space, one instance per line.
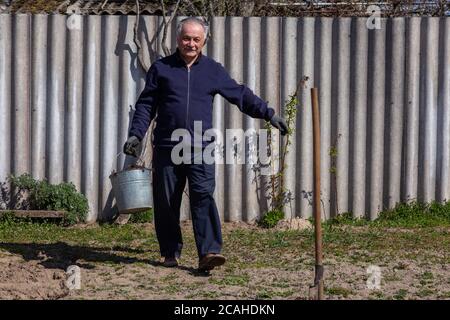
(278,194)
(35,194)
(271,218)
(415,213)
(8,218)
(333,152)
(142,217)
(339,291)
(400,294)
(346,218)
(407,214)
(265,294)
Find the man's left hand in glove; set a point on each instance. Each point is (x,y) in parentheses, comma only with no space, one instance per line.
(280,124)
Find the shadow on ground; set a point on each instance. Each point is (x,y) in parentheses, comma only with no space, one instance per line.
(61,255)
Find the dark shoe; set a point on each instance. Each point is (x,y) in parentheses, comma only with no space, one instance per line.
(210,261)
(170,262)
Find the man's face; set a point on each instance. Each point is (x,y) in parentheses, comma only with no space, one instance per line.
(191,40)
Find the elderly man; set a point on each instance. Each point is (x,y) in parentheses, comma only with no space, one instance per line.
(179,90)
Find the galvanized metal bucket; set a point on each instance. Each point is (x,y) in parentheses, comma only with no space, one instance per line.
(132,189)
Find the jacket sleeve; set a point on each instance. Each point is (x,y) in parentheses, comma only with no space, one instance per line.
(146,105)
(242,96)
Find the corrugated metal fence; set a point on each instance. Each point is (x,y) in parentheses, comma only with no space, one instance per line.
(68,85)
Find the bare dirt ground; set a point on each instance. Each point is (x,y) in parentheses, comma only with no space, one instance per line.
(261,265)
(20,279)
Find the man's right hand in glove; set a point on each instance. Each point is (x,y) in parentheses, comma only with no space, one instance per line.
(130,147)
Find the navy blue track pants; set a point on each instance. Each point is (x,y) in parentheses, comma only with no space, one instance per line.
(169,181)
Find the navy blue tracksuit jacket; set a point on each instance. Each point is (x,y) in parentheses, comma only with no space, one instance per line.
(179,96)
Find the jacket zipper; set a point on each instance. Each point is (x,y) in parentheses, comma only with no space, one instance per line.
(188,89)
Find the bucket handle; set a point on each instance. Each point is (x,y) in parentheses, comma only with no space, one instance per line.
(139,158)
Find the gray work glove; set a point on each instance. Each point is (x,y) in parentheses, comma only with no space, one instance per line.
(130,147)
(279,123)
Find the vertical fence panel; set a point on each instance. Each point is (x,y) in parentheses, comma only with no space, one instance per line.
(396,110)
(377,106)
(270,88)
(218,53)
(252,36)
(411,141)
(56,101)
(129,64)
(21,94)
(5,95)
(288,88)
(39,95)
(233,170)
(343,113)
(444,93)
(359,163)
(324,83)
(91,115)
(430,108)
(74,90)
(109,111)
(304,186)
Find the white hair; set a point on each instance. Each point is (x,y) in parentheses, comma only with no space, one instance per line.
(193,20)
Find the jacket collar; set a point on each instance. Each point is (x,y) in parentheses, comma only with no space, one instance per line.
(179,59)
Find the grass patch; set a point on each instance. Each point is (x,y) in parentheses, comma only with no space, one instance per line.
(107,235)
(427,275)
(411,214)
(265,294)
(270,294)
(169,278)
(280,241)
(338,291)
(209,295)
(346,218)
(231,280)
(417,214)
(425,293)
(142,217)
(172,289)
(400,294)
(445,295)
(378,295)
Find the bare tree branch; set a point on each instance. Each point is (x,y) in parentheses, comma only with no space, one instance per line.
(207,11)
(197,12)
(136,39)
(166,25)
(104,4)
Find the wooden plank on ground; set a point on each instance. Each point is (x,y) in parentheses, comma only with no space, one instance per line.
(34,213)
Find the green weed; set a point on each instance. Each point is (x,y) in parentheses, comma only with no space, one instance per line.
(271,218)
(41,195)
(400,294)
(231,280)
(338,291)
(142,217)
(408,215)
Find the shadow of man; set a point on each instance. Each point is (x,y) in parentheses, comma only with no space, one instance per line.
(61,255)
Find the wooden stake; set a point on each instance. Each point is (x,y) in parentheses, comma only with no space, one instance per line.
(318,278)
